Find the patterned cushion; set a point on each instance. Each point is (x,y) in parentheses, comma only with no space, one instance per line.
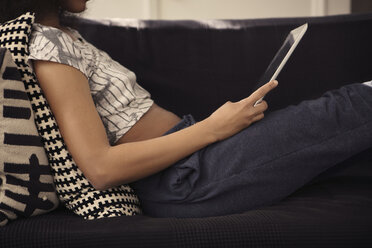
(26,183)
(72,187)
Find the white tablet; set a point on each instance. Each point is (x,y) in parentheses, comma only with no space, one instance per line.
(282,56)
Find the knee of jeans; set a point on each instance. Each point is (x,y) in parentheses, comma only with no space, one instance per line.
(173,184)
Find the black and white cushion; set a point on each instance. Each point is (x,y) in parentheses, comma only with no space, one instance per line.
(26,183)
(72,187)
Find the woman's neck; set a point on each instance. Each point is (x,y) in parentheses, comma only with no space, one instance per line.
(51,20)
(54,21)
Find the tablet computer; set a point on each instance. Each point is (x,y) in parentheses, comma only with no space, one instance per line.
(282,56)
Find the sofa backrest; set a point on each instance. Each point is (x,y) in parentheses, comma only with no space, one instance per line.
(195,66)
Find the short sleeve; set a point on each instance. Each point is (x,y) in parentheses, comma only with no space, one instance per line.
(51,44)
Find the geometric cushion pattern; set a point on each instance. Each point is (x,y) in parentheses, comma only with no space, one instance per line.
(26,183)
(73,189)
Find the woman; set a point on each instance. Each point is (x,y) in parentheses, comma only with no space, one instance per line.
(222,164)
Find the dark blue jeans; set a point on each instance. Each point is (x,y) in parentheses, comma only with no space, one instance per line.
(265,162)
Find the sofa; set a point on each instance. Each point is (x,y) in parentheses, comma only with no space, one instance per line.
(194,66)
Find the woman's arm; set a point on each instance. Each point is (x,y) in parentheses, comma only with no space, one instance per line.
(67,91)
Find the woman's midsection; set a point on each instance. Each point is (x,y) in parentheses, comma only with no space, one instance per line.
(153,124)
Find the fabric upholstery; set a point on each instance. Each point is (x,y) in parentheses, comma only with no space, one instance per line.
(26,182)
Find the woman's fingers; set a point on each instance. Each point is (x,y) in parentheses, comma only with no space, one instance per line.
(232,117)
(263,90)
(262,107)
(260,93)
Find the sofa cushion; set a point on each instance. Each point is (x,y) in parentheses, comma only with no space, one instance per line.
(26,183)
(73,189)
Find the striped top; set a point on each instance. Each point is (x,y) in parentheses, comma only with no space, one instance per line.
(118,98)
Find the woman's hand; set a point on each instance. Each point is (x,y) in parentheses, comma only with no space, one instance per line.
(232,117)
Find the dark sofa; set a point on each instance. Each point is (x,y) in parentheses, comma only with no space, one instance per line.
(194,67)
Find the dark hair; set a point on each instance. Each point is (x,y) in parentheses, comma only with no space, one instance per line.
(11,9)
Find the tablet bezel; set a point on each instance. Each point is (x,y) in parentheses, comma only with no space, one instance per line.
(295,35)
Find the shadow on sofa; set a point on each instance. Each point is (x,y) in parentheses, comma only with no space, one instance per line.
(194,67)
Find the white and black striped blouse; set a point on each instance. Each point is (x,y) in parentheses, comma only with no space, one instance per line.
(119,100)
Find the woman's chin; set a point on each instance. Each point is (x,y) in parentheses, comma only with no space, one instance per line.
(74,6)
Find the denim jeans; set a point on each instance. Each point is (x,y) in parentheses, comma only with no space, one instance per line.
(265,162)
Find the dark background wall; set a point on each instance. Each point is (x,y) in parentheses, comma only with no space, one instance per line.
(361,6)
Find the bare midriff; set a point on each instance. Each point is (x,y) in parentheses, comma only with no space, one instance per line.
(154,123)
